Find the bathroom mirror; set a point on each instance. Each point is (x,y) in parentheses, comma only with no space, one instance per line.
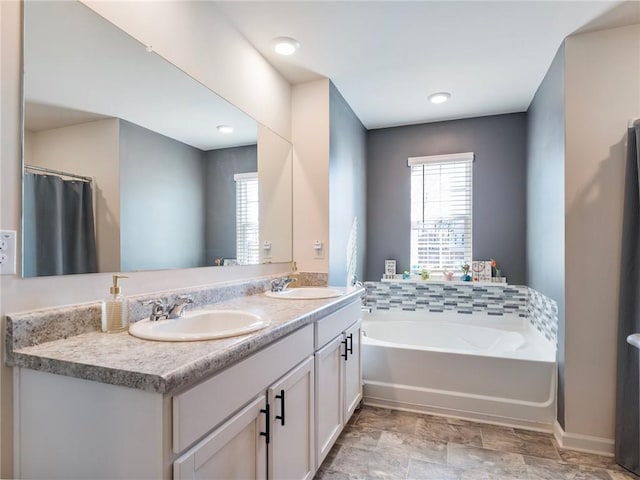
(120,143)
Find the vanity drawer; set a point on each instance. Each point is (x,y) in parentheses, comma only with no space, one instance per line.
(200,409)
(332,325)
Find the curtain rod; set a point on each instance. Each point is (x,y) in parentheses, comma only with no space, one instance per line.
(58,172)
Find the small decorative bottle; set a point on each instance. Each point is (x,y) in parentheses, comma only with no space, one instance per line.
(115,314)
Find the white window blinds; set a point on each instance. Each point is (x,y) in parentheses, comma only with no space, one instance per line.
(441,211)
(247,216)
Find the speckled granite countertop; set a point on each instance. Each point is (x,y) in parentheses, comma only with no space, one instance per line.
(169,367)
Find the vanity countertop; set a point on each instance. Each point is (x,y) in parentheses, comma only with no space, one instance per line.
(169,367)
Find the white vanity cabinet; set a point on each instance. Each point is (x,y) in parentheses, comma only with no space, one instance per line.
(278,425)
(291,447)
(256,419)
(338,374)
(234,450)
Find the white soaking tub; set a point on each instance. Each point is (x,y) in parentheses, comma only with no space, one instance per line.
(493,368)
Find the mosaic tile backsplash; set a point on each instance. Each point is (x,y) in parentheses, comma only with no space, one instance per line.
(466,299)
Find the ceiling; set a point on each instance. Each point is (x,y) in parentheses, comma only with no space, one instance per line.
(386,57)
(78,67)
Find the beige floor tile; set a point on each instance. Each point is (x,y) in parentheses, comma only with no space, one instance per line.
(419,470)
(445,432)
(545,469)
(581,458)
(360,437)
(391,420)
(622,475)
(368,464)
(466,456)
(412,446)
(520,441)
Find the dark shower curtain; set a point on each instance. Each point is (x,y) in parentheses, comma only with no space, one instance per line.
(627,416)
(59,235)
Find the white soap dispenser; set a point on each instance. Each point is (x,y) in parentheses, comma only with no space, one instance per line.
(115,314)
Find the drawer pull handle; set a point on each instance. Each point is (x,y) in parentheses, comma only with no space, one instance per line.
(350,337)
(267,432)
(346,350)
(281,398)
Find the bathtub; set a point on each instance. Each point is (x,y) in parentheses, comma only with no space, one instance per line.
(496,369)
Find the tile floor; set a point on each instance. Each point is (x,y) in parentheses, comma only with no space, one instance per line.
(381,443)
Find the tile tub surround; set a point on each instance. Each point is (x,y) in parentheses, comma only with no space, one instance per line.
(542,312)
(163,367)
(381,443)
(435,296)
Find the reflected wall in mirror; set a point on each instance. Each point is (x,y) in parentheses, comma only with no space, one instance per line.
(125,166)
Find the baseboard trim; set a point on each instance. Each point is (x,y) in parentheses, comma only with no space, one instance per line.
(583,443)
(457,414)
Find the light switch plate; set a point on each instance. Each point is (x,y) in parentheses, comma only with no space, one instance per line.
(7,252)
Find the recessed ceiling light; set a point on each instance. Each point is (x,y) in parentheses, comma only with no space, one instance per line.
(285,45)
(439,97)
(225,128)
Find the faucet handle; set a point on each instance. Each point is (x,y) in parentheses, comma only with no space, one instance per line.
(276,285)
(184,299)
(158,308)
(156,302)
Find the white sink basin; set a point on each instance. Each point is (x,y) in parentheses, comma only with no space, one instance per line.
(305,293)
(199,325)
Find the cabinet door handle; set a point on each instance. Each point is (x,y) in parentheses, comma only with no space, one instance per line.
(281,417)
(267,432)
(346,350)
(350,337)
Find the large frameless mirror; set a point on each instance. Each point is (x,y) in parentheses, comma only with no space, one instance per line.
(130,164)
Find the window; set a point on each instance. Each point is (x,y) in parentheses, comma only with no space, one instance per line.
(247,215)
(441,213)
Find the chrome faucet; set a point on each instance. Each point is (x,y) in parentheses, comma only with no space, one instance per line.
(177,309)
(281,284)
(160,310)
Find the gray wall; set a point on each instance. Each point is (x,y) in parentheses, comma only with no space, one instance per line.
(161,201)
(220,209)
(545,199)
(499,188)
(347,186)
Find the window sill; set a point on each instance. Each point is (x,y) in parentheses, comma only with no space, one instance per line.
(442,281)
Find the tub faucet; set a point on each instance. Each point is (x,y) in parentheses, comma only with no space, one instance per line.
(177,309)
(281,284)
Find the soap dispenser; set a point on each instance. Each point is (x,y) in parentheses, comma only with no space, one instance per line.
(295,275)
(115,314)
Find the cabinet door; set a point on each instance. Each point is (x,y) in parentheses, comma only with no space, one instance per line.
(352,370)
(235,450)
(329,403)
(291,399)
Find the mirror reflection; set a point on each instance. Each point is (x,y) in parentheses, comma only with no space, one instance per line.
(130,164)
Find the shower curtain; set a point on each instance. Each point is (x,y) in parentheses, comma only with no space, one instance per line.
(627,416)
(59,236)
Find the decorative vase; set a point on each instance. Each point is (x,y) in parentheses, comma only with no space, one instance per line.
(466,278)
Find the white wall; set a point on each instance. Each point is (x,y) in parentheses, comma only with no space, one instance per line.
(89,149)
(275,157)
(196,37)
(602,93)
(310,133)
(190,34)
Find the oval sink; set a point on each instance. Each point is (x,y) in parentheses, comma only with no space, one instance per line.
(199,325)
(305,293)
